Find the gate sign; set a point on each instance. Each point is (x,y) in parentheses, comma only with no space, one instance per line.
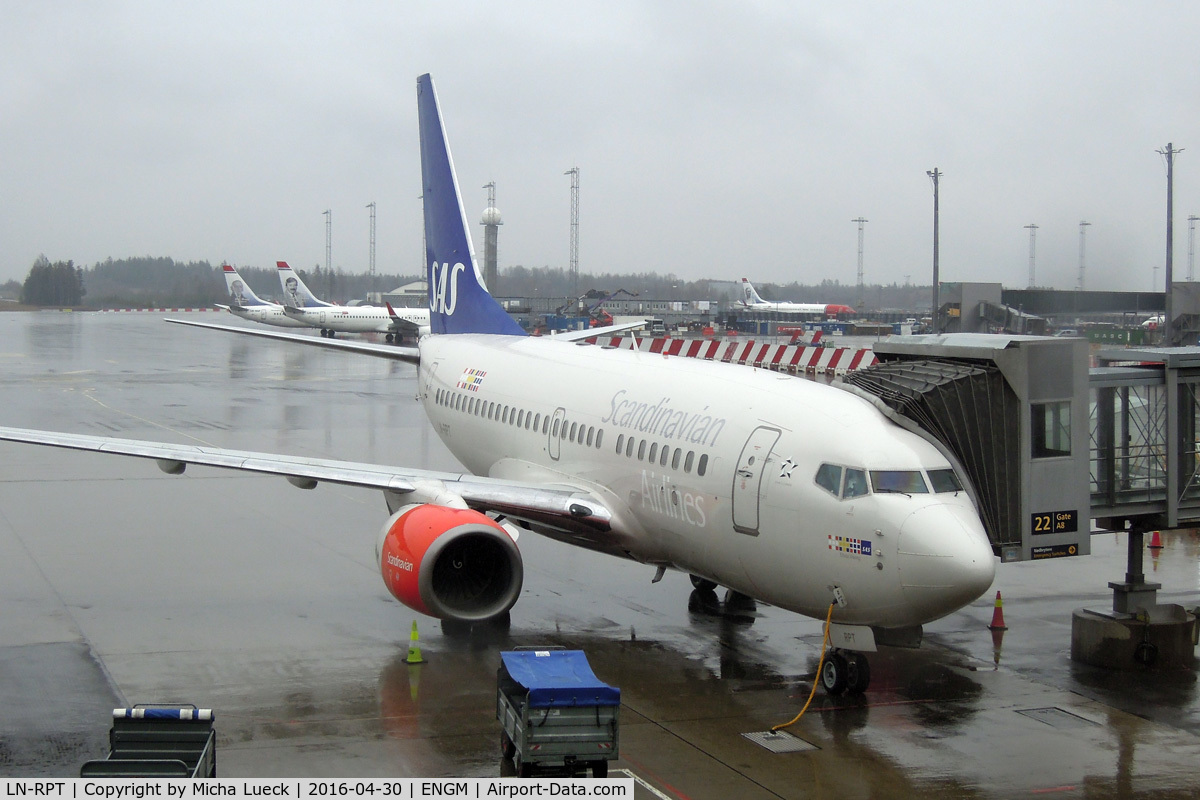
(1055,522)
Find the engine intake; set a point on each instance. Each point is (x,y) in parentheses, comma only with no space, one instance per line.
(449,563)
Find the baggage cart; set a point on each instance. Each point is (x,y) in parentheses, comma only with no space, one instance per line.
(158,741)
(555,714)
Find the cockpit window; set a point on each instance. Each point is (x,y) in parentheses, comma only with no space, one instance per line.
(898,481)
(829,478)
(944,480)
(856,483)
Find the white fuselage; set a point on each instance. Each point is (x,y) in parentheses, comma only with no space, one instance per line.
(789,308)
(736,498)
(267,314)
(358,319)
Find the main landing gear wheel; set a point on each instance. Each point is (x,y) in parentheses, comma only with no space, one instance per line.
(845,672)
(858,673)
(703,584)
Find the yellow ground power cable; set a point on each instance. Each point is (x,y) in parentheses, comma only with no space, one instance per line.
(816,680)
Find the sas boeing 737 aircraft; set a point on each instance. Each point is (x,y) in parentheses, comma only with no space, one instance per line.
(751,300)
(786,490)
(244,303)
(304,307)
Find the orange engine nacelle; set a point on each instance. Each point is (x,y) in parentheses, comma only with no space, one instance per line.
(450,563)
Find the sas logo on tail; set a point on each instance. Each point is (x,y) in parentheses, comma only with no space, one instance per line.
(443,287)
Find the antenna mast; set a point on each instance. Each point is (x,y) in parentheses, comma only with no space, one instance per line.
(328,251)
(1083,226)
(371,255)
(574,173)
(861,291)
(1032,253)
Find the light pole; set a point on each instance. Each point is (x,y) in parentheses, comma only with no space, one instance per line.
(935,174)
(1191,245)
(1083,226)
(1169,154)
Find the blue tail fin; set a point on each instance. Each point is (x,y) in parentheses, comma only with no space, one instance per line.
(458,299)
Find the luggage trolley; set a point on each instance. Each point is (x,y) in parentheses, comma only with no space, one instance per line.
(554,713)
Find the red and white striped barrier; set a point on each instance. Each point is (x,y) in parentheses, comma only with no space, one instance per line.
(792,359)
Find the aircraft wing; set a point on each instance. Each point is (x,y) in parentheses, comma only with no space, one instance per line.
(563,508)
(607,330)
(409,354)
(403,325)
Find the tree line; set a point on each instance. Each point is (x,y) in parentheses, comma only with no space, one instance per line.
(57,284)
(158,281)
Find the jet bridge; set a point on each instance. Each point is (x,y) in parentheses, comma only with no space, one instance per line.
(1009,412)
(1016,416)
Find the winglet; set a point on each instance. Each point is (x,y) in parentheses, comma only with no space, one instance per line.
(459,301)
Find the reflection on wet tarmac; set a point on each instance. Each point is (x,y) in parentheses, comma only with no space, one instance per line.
(263,602)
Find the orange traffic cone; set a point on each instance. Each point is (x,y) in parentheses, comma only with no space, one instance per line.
(997,644)
(998,615)
(1155,541)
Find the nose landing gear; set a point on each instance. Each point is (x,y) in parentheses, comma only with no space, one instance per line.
(845,671)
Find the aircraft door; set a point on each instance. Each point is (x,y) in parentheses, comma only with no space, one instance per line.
(555,433)
(747,478)
(322,317)
(429,373)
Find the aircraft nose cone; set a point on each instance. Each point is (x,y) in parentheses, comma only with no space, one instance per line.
(945,560)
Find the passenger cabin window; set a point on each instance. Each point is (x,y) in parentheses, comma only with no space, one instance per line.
(856,483)
(620,442)
(944,480)
(898,481)
(1051,429)
(829,478)
(599,438)
(702,467)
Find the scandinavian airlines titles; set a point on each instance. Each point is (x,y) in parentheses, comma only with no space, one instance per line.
(662,419)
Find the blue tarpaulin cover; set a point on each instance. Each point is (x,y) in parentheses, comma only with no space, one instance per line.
(558,678)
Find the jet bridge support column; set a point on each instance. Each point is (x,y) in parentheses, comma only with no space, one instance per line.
(1146,468)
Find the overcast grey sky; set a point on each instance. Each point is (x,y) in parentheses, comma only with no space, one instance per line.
(714,140)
